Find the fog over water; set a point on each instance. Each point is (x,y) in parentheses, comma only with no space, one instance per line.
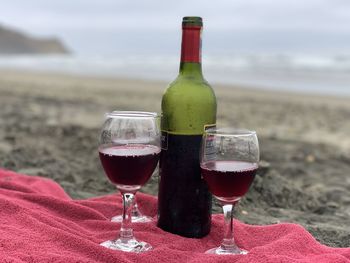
(296,45)
(115,26)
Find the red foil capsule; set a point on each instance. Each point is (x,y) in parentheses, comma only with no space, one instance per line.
(191,44)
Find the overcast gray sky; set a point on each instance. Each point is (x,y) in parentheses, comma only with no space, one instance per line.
(117,26)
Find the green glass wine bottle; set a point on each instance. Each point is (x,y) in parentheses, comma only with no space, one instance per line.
(188,106)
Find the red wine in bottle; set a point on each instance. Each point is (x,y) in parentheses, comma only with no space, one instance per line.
(188,106)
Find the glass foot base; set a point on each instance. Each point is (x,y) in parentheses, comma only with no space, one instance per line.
(227,251)
(131,245)
(134,219)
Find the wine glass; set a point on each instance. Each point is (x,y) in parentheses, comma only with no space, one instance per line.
(229,161)
(129,150)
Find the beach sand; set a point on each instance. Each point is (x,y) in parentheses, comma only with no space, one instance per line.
(49,125)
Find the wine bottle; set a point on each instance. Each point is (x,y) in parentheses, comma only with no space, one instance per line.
(188,106)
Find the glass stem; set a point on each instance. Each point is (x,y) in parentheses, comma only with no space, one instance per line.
(228,243)
(135,210)
(126,231)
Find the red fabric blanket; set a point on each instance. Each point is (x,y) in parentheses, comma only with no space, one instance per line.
(39,222)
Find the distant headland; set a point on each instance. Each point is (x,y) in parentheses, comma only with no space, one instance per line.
(14,42)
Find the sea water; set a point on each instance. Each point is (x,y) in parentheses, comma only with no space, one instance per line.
(315,74)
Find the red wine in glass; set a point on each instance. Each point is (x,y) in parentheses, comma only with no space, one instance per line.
(129,165)
(228,179)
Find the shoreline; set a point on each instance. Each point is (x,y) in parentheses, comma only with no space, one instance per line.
(249,89)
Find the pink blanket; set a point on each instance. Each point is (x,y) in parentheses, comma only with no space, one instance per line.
(39,222)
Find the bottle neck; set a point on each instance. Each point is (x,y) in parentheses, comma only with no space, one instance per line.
(191,68)
(191,51)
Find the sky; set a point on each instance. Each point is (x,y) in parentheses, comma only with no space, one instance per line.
(107,27)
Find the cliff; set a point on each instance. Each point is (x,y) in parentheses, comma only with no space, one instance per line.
(14,42)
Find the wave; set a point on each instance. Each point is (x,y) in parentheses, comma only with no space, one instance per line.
(326,74)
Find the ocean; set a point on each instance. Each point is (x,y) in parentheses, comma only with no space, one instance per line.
(313,74)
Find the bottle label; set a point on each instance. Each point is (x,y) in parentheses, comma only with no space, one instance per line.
(164,140)
(210,144)
(210,149)
(209,126)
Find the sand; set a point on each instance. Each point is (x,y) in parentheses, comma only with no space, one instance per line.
(49,125)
